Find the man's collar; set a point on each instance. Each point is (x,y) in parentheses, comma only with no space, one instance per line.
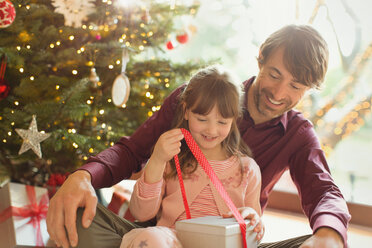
(283,119)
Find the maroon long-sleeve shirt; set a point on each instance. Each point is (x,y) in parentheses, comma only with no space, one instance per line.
(286,142)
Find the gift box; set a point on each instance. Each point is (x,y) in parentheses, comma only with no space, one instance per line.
(23,211)
(213,231)
(119,205)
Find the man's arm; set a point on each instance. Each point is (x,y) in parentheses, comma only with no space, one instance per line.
(324,237)
(129,153)
(106,169)
(321,199)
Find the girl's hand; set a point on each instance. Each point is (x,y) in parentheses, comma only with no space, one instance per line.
(168,145)
(255,220)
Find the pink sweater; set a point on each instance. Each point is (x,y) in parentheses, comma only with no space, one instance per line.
(167,205)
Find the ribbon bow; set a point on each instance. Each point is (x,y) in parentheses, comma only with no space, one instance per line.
(35,211)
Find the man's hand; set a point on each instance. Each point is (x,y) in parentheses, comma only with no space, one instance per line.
(77,191)
(324,237)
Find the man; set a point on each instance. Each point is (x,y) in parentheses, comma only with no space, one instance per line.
(291,61)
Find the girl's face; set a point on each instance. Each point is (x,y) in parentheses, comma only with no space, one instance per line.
(209,131)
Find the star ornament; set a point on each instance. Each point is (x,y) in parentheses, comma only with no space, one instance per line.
(32,138)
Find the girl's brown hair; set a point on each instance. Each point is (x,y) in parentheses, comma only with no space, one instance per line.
(209,87)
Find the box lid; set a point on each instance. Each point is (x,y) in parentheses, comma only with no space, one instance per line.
(215,225)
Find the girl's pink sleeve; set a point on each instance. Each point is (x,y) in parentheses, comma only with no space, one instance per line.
(146,199)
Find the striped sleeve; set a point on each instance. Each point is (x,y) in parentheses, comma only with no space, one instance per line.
(149,190)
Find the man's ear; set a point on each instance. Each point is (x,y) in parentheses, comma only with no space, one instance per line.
(259,60)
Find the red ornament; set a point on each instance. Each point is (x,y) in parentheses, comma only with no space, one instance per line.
(7,13)
(182,38)
(98,37)
(170,45)
(4,89)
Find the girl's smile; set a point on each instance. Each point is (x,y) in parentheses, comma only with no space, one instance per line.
(208,138)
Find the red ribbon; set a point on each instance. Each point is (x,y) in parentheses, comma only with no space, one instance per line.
(202,160)
(180,180)
(35,211)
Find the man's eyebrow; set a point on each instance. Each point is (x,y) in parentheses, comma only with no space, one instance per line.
(275,69)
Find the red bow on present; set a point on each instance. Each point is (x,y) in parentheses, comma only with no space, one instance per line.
(36,211)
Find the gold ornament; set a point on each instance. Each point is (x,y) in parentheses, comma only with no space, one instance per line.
(32,138)
(24,36)
(93,77)
(193,29)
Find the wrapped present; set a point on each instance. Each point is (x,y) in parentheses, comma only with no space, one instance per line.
(213,231)
(23,210)
(54,182)
(119,204)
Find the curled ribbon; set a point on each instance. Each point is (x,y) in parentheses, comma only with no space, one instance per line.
(36,212)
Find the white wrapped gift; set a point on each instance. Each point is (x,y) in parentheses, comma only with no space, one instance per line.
(213,231)
(22,216)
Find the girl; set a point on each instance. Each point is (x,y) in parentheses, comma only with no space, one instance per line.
(209,107)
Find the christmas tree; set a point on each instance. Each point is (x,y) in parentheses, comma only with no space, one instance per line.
(78,75)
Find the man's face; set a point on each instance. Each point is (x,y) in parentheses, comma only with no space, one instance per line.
(274,91)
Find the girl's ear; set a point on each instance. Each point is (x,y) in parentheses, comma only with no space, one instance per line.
(185,111)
